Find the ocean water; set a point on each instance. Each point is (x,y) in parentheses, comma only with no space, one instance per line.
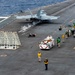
(8,7)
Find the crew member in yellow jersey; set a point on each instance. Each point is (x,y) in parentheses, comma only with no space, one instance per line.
(39,56)
(46,64)
(63,38)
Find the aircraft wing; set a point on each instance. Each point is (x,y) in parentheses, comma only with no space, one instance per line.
(49,17)
(54,17)
(25,17)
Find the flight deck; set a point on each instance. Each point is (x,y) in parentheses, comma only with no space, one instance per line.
(24,61)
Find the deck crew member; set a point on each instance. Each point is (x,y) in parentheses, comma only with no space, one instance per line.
(63,38)
(58,41)
(39,56)
(46,64)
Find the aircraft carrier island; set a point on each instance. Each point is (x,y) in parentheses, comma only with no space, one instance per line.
(19,43)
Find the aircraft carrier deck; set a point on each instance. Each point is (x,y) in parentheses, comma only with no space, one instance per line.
(24,61)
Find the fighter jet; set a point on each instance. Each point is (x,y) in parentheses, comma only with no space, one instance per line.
(41,16)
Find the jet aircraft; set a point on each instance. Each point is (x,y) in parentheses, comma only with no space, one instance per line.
(41,16)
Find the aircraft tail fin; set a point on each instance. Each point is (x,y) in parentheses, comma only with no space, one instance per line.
(30,12)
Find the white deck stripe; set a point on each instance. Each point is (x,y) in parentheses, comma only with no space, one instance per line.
(4,18)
